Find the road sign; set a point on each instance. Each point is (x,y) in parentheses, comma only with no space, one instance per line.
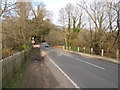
(33,41)
(32,38)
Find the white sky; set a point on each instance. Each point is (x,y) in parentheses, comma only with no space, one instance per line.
(55,5)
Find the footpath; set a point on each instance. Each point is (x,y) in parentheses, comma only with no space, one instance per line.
(38,74)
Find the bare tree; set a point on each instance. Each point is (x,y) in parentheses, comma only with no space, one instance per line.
(62,17)
(65,19)
(7,6)
(97,15)
(116,7)
(71,19)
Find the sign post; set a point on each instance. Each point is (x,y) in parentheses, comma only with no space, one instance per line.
(33,41)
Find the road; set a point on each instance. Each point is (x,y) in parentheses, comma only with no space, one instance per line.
(85,72)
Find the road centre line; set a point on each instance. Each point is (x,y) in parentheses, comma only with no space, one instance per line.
(85,62)
(91,64)
(75,85)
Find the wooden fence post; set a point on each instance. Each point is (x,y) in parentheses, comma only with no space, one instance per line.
(102,52)
(117,54)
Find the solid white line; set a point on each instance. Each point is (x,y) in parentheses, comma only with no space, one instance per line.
(91,64)
(75,85)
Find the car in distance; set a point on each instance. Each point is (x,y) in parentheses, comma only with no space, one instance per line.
(46,45)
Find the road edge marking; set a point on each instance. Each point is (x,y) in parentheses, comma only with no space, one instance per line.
(75,85)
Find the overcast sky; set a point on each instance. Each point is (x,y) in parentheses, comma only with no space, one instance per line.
(55,5)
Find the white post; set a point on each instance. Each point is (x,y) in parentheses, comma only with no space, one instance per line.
(102,52)
(117,54)
(84,49)
(91,50)
(70,48)
(78,49)
(63,47)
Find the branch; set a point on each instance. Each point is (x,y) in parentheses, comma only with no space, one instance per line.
(89,14)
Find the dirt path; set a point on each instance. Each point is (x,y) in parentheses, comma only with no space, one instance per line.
(38,74)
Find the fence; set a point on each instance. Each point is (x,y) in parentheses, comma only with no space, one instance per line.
(11,64)
(112,53)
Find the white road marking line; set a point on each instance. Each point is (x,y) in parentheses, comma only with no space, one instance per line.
(85,62)
(76,86)
(65,54)
(91,64)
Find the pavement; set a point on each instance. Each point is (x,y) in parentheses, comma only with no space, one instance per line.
(37,74)
(83,72)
